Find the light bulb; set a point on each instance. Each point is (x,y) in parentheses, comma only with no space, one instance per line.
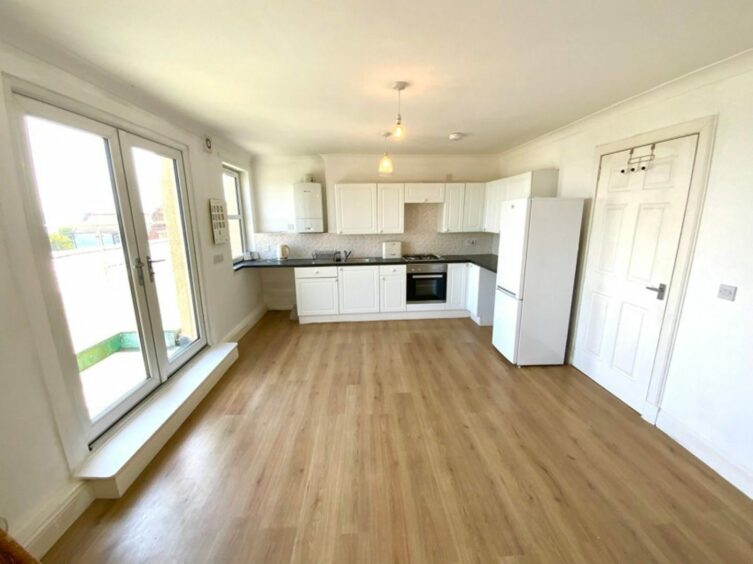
(385,165)
(398,132)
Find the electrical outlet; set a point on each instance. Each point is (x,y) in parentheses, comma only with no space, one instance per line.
(471,242)
(727,292)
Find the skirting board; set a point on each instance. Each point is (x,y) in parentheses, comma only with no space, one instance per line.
(245,325)
(43,531)
(445,314)
(739,477)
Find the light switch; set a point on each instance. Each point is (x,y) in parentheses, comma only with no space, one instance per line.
(727,292)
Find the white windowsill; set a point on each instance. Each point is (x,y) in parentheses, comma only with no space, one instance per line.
(114,465)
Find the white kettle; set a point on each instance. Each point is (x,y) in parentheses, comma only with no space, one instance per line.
(283,252)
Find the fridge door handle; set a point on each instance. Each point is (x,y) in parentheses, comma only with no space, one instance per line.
(507,292)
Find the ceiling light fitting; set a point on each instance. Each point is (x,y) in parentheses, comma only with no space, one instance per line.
(398,132)
(457,136)
(385,163)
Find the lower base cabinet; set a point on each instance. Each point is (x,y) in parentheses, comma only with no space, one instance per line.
(369,289)
(317,296)
(457,282)
(392,288)
(358,289)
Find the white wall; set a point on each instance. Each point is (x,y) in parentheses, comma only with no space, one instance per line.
(42,436)
(273,179)
(707,401)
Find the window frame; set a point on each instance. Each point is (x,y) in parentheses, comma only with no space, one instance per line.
(240,216)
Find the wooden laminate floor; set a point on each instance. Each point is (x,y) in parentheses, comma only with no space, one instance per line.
(412,441)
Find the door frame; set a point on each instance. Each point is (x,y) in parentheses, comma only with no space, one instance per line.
(47,317)
(705,128)
(122,200)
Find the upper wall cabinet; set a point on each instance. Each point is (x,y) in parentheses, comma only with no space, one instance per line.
(495,195)
(532,184)
(473,207)
(391,208)
(362,208)
(463,209)
(424,193)
(451,219)
(356,208)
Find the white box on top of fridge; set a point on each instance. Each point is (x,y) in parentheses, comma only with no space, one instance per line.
(538,252)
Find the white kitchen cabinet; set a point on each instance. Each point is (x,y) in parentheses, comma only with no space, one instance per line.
(392,288)
(495,195)
(316,296)
(391,208)
(473,206)
(480,294)
(424,193)
(451,220)
(532,184)
(463,209)
(356,208)
(457,279)
(358,289)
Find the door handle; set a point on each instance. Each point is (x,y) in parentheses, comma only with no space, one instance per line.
(139,265)
(660,290)
(149,263)
(507,292)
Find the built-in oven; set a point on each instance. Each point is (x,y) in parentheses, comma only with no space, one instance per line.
(426,283)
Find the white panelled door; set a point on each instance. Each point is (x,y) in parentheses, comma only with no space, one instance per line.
(637,220)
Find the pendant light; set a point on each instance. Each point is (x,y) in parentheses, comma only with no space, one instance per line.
(398,132)
(385,163)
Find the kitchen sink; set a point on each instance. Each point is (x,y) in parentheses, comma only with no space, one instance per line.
(361,260)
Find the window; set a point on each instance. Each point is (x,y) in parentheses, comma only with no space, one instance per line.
(231,184)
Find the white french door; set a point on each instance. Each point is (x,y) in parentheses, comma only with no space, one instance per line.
(640,205)
(156,179)
(111,209)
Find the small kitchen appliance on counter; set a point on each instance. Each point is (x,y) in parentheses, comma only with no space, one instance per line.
(283,252)
(392,250)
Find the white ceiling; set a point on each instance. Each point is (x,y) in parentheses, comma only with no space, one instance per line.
(313,76)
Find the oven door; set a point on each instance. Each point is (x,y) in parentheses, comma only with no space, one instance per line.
(427,288)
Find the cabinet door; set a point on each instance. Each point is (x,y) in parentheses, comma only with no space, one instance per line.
(392,294)
(457,276)
(452,212)
(359,289)
(518,186)
(390,206)
(473,206)
(495,195)
(424,193)
(316,296)
(356,208)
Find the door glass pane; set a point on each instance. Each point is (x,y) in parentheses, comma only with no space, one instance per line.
(158,188)
(73,177)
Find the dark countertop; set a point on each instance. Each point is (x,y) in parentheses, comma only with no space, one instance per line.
(487,261)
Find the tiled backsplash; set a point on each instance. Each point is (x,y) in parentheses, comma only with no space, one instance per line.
(421,236)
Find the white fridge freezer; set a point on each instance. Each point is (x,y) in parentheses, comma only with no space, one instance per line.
(538,252)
